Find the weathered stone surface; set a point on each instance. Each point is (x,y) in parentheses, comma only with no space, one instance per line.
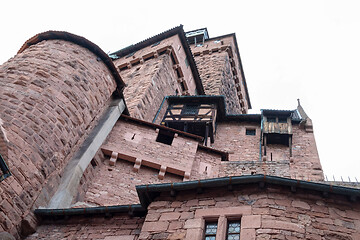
(52,95)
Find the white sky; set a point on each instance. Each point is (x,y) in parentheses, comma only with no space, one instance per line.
(290,49)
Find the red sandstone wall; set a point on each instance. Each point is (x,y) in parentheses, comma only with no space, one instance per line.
(244,153)
(137,141)
(305,163)
(206,165)
(50,97)
(147,85)
(149,80)
(215,71)
(231,137)
(220,72)
(113,228)
(271,213)
(115,185)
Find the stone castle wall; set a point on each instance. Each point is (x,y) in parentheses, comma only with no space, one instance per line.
(152,73)
(51,95)
(305,162)
(147,85)
(271,213)
(221,72)
(119,227)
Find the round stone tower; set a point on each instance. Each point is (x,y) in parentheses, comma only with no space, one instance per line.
(51,95)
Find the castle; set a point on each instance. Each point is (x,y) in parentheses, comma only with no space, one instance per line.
(155,141)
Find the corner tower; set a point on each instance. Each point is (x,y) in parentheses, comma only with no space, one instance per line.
(219,63)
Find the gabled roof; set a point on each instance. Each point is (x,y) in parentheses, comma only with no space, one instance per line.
(159,37)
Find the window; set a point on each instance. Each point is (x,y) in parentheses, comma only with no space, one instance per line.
(4,173)
(251,132)
(233,230)
(210,230)
(165,137)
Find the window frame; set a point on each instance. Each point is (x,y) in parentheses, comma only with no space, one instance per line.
(208,222)
(250,132)
(230,221)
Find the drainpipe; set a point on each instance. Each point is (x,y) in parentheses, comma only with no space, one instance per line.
(261,134)
(158,112)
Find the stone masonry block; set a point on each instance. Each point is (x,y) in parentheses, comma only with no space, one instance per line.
(300,204)
(273,224)
(194,223)
(247,234)
(251,221)
(170,216)
(193,234)
(159,226)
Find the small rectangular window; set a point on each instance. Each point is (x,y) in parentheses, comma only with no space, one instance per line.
(210,230)
(251,132)
(233,230)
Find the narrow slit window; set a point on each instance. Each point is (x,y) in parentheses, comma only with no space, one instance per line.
(4,170)
(233,230)
(210,230)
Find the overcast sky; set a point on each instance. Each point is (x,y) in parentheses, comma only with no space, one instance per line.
(289,49)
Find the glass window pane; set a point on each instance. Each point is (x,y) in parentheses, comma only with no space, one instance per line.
(234,237)
(210,238)
(234,227)
(210,230)
(233,230)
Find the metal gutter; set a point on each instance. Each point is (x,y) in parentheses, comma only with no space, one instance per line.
(261,136)
(147,193)
(159,110)
(135,209)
